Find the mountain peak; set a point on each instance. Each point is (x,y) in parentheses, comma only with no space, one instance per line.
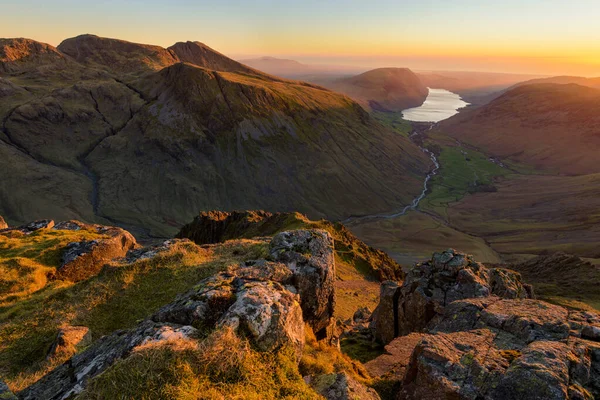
(385,89)
(118,55)
(20,54)
(199,54)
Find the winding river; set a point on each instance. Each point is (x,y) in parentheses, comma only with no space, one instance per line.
(439,105)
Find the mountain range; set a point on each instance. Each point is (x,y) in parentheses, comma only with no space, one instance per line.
(144,136)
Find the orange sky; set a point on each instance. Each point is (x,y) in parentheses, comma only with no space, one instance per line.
(553,37)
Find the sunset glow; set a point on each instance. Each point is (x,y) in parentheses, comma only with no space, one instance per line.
(543,37)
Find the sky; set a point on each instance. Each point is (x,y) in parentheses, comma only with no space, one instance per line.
(549,37)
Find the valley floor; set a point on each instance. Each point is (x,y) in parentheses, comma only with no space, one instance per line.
(500,211)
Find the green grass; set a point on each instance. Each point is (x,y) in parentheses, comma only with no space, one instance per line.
(462,171)
(117,298)
(27,262)
(394,121)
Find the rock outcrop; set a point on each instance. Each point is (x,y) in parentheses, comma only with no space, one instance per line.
(431,286)
(218,226)
(32,226)
(80,260)
(70,378)
(309,255)
(268,302)
(476,333)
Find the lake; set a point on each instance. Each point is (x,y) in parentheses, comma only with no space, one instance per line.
(440,104)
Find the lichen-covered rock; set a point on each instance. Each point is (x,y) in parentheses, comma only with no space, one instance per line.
(342,387)
(384,328)
(3,224)
(70,338)
(497,344)
(460,365)
(540,373)
(309,254)
(80,260)
(269,314)
(170,333)
(71,225)
(5,393)
(431,286)
(527,320)
(69,379)
(508,284)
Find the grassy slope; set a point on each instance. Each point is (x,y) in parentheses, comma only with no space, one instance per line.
(415,236)
(122,294)
(531,214)
(117,298)
(552,127)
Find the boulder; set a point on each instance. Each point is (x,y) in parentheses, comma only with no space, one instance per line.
(342,387)
(540,373)
(3,224)
(460,365)
(269,314)
(81,260)
(250,299)
(309,254)
(429,287)
(70,338)
(383,326)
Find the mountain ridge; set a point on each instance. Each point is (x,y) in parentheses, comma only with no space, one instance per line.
(549,126)
(121,125)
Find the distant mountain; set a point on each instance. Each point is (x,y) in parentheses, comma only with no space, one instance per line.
(279,66)
(145,136)
(384,89)
(552,127)
(476,88)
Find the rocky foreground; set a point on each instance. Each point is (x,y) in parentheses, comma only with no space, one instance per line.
(469,332)
(453,329)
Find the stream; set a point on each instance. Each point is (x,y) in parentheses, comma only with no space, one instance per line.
(439,105)
(415,203)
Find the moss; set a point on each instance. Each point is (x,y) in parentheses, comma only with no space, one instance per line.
(361,349)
